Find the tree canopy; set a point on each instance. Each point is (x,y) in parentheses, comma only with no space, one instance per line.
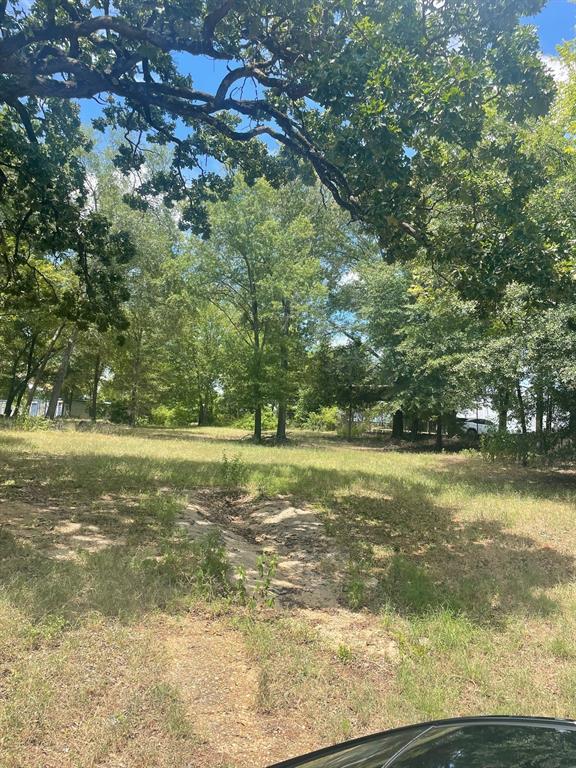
(362,90)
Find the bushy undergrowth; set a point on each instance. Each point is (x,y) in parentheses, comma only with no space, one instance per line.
(246,421)
(28,423)
(547,447)
(326,419)
(233,471)
(177,416)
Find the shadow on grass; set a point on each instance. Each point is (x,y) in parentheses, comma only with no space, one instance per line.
(125,582)
(486,477)
(405,550)
(191,434)
(414,557)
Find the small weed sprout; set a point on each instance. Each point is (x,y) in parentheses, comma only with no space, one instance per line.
(267,565)
(356,589)
(241,587)
(344,653)
(261,593)
(233,471)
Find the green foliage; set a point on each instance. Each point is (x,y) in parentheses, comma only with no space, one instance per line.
(164,507)
(327,419)
(27,423)
(178,416)
(119,412)
(199,564)
(233,472)
(458,287)
(547,447)
(344,653)
(369,81)
(357,585)
(53,248)
(267,565)
(246,421)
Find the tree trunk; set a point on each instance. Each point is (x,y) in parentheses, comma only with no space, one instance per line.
(32,391)
(258,423)
(539,410)
(15,397)
(572,415)
(12,389)
(39,373)
(95,385)
(281,425)
(521,409)
(350,415)
(202,413)
(451,423)
(503,407)
(283,400)
(30,369)
(549,413)
(209,406)
(135,388)
(70,400)
(60,378)
(398,424)
(19,397)
(414,427)
(439,435)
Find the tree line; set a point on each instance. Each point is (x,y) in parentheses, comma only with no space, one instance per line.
(410,246)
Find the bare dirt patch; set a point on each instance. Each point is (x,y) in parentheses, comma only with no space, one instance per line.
(54,533)
(295,535)
(306,555)
(218,683)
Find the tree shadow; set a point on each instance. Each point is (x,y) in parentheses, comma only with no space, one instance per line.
(121,581)
(480,476)
(187,434)
(417,557)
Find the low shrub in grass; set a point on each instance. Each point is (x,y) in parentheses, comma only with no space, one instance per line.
(232,471)
(326,419)
(199,564)
(547,447)
(246,421)
(177,416)
(28,423)
(164,507)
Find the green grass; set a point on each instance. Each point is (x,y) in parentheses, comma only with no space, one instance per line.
(463,572)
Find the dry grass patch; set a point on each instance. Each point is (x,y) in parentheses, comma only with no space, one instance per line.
(96,695)
(456,581)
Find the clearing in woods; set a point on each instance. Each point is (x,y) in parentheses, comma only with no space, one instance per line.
(136,619)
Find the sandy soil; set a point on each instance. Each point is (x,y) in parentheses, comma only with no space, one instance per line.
(294,535)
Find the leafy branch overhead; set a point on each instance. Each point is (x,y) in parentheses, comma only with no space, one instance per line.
(358,89)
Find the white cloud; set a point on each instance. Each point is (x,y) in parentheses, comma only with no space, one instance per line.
(555,67)
(349,277)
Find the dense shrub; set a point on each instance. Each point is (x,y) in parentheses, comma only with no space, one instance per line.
(119,412)
(548,447)
(247,420)
(232,471)
(28,423)
(326,419)
(177,416)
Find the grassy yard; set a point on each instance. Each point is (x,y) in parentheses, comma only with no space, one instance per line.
(122,643)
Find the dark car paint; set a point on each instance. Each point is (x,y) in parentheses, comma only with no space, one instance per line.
(426,742)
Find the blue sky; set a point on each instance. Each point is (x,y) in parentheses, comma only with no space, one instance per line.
(555,23)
